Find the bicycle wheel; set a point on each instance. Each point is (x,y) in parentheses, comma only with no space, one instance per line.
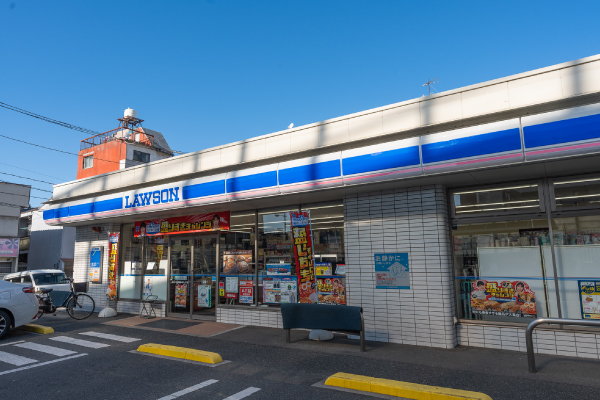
(81,306)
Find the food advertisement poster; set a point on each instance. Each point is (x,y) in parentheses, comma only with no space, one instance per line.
(331,291)
(590,299)
(218,221)
(323,269)
(96,264)
(204,296)
(503,298)
(392,271)
(113,255)
(181,295)
(279,269)
(237,262)
(246,291)
(301,235)
(280,290)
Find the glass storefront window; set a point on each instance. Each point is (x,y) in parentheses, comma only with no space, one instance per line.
(577,193)
(502,270)
(275,249)
(155,270)
(577,249)
(504,200)
(131,276)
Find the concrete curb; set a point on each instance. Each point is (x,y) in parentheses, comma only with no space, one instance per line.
(36,328)
(401,389)
(181,352)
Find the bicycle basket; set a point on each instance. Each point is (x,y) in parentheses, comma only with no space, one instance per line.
(80,287)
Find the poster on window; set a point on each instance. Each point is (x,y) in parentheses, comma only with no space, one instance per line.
(218,221)
(113,253)
(590,299)
(204,296)
(503,298)
(331,291)
(181,295)
(231,284)
(147,288)
(303,251)
(279,269)
(237,262)
(246,291)
(280,290)
(323,269)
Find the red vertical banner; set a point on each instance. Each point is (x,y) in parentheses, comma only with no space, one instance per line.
(113,257)
(301,234)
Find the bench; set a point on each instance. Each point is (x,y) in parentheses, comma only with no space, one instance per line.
(345,319)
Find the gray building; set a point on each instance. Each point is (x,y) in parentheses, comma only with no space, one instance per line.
(13,197)
(45,246)
(450,219)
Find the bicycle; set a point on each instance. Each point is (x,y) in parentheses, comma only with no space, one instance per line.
(78,305)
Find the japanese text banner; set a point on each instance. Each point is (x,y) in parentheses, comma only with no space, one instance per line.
(301,235)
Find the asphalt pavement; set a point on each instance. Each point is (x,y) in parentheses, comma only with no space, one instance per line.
(91,360)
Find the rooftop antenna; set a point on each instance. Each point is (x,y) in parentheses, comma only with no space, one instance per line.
(429,83)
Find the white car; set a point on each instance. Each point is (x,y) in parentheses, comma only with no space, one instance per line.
(54,279)
(18,306)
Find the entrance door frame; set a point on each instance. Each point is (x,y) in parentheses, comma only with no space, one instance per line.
(191,314)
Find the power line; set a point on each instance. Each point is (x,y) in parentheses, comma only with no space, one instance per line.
(23,177)
(35,172)
(52,121)
(50,148)
(41,190)
(24,195)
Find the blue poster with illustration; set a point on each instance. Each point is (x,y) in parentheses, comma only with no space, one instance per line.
(392,271)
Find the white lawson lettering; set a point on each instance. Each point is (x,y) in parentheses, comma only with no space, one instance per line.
(156,197)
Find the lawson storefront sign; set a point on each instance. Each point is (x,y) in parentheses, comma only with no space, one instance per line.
(155,197)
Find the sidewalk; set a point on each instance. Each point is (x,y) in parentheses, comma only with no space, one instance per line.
(491,370)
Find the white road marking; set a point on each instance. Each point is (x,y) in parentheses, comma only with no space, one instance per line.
(189,390)
(55,351)
(41,364)
(15,360)
(242,394)
(118,338)
(79,342)
(11,343)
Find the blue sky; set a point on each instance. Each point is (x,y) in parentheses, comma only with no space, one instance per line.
(206,73)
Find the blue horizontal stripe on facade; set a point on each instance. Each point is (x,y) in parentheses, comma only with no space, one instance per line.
(48,214)
(569,130)
(249,182)
(81,209)
(62,212)
(108,205)
(203,189)
(311,172)
(478,145)
(379,161)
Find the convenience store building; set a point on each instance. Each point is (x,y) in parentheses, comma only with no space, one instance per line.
(491,192)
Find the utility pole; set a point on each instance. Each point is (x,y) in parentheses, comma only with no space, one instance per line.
(429,83)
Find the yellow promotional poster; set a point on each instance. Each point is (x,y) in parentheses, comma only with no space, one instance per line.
(590,299)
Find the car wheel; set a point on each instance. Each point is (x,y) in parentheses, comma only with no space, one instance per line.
(4,323)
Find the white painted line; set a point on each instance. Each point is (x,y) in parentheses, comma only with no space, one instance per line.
(108,336)
(41,364)
(15,360)
(55,351)
(242,394)
(79,342)
(11,343)
(189,390)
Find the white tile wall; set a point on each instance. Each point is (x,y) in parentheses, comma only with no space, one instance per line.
(552,342)
(271,319)
(85,239)
(413,220)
